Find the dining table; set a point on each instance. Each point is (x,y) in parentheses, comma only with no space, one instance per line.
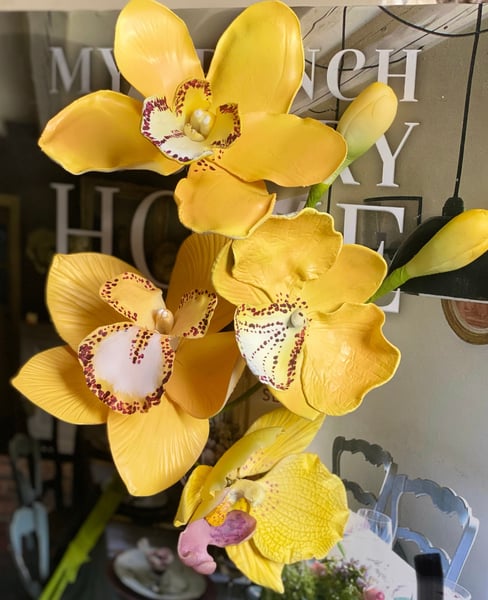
(118,571)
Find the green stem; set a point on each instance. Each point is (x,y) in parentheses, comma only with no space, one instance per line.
(315,194)
(397,278)
(341,549)
(87,536)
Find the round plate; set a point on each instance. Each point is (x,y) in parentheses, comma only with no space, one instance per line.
(178,583)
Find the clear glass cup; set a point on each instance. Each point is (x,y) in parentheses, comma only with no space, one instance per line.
(454,591)
(378,523)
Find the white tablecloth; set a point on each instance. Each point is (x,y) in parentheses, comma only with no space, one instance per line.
(395,577)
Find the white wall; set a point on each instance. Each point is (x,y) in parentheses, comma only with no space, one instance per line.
(433,415)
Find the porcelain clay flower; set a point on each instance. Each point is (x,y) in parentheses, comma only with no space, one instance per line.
(153,370)
(231,125)
(265,501)
(301,322)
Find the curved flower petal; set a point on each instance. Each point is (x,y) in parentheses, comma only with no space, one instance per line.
(354,277)
(194,315)
(192,271)
(210,199)
(72,293)
(153,49)
(126,366)
(202,371)
(285,149)
(53,381)
(153,450)
(101,132)
(134,297)
(255,566)
(261,70)
(297,434)
(309,510)
(294,398)
(190,496)
(264,260)
(347,341)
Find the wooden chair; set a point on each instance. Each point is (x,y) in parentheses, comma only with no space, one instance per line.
(445,500)
(29,544)
(376,456)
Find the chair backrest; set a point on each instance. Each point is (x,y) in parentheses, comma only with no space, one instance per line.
(29,544)
(374,454)
(25,459)
(448,502)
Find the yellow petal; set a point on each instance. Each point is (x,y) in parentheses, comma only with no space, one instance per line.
(73,296)
(294,398)
(297,434)
(227,467)
(134,297)
(153,450)
(232,289)
(53,380)
(285,149)
(192,270)
(285,252)
(345,356)
(308,514)
(203,372)
(354,277)
(258,61)
(153,49)
(126,366)
(101,132)
(190,496)
(210,199)
(255,566)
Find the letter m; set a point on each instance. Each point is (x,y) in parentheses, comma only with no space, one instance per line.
(60,65)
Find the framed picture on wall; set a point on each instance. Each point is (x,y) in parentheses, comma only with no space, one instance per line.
(136,223)
(468,320)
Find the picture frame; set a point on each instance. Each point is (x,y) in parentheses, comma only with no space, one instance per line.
(468,320)
(143,222)
(375,228)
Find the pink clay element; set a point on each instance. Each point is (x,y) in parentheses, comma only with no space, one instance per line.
(193,542)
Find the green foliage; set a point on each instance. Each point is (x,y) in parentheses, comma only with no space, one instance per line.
(326,579)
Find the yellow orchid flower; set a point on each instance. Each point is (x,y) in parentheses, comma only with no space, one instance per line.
(154,371)
(301,322)
(231,125)
(265,501)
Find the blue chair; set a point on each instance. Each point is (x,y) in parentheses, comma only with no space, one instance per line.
(376,456)
(448,502)
(29,545)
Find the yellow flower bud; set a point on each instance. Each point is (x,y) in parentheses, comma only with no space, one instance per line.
(462,240)
(458,243)
(367,118)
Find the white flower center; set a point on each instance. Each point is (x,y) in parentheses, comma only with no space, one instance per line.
(199,125)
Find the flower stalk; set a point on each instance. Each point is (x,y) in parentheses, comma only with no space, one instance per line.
(79,549)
